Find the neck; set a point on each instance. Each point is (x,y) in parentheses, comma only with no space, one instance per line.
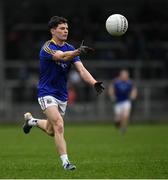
(58,41)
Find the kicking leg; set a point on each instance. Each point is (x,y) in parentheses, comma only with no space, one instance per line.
(46,126)
(43,124)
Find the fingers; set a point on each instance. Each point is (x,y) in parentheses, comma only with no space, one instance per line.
(88,49)
(82,43)
(99,92)
(85,50)
(100,83)
(99,87)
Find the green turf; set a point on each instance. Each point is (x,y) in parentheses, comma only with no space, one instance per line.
(98,151)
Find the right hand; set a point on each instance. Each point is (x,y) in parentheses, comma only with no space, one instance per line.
(85,49)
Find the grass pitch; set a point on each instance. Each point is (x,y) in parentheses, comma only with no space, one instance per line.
(98,151)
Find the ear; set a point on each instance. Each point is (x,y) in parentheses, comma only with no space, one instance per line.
(52,30)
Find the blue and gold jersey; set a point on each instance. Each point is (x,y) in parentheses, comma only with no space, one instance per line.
(122,90)
(54,74)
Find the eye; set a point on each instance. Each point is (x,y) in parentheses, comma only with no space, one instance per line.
(63,28)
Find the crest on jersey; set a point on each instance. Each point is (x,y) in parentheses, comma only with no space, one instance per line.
(63,65)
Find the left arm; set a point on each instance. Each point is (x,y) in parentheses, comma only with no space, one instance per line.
(84,73)
(88,78)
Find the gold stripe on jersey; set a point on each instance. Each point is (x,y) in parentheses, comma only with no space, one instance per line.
(48,49)
(52,40)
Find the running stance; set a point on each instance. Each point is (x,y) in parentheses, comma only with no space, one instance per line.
(56,58)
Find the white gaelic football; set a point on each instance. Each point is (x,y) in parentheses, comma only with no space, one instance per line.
(116,25)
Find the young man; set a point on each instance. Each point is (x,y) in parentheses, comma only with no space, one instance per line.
(122,91)
(56,58)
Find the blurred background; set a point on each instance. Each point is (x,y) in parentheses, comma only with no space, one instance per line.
(143,50)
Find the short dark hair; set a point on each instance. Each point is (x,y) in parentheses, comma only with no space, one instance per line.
(55,21)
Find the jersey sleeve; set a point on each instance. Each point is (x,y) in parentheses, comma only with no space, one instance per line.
(47,51)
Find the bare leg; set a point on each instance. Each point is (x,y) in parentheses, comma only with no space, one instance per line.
(46,126)
(55,119)
(54,126)
(43,124)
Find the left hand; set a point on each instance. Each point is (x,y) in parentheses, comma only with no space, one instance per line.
(99,87)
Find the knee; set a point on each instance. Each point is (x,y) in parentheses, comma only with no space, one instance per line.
(59,127)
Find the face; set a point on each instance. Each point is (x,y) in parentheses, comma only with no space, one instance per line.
(60,32)
(124,75)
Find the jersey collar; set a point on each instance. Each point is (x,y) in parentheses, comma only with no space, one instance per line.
(52,40)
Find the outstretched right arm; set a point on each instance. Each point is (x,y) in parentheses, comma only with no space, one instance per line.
(67,55)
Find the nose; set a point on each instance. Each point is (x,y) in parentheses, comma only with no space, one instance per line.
(66,31)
